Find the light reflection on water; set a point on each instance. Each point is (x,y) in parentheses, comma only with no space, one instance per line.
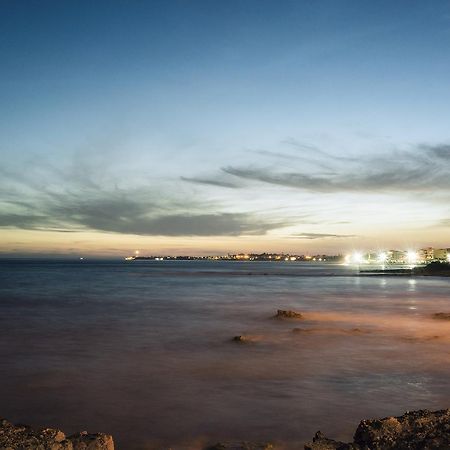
(144,351)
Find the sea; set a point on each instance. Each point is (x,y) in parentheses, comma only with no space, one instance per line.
(144,350)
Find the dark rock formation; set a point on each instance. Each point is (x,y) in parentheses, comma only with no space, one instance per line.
(88,441)
(286,314)
(15,437)
(240,339)
(441,316)
(416,430)
(320,442)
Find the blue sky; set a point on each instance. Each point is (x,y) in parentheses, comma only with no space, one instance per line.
(219,126)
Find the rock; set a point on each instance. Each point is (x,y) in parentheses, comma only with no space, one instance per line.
(320,442)
(302,330)
(416,430)
(244,445)
(286,314)
(23,437)
(88,441)
(15,437)
(441,316)
(242,339)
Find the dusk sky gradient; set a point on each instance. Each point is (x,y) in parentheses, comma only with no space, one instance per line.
(208,127)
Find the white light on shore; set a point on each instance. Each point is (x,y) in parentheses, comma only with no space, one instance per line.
(411,257)
(382,257)
(357,258)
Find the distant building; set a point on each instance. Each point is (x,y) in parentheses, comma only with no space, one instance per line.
(396,256)
(426,254)
(441,254)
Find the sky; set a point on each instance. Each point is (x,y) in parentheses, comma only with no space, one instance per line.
(208,127)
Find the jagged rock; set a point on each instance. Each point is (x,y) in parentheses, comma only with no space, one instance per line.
(416,430)
(22,437)
(244,445)
(286,314)
(88,441)
(441,316)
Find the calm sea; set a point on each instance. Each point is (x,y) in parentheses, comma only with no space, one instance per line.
(143,350)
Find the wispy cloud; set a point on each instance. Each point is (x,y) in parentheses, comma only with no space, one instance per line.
(321,236)
(425,168)
(72,201)
(211,182)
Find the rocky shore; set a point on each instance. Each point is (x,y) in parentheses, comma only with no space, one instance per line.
(414,430)
(23,437)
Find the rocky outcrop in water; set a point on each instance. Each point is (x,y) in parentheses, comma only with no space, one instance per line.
(416,430)
(22,437)
(441,316)
(286,314)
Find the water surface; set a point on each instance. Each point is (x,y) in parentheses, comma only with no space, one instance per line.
(143,350)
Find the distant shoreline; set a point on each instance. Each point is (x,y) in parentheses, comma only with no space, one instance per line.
(434,269)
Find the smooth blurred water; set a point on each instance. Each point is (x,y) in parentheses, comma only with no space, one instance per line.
(143,349)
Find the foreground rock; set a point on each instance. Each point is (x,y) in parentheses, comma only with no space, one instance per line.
(15,437)
(286,314)
(416,430)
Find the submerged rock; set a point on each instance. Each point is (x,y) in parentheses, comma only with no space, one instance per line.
(240,339)
(15,437)
(287,314)
(302,330)
(441,316)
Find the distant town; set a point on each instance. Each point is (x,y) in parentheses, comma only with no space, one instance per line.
(395,257)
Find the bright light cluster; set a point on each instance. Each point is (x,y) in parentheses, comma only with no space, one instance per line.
(382,257)
(411,257)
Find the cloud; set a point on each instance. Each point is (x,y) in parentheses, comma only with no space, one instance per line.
(211,182)
(321,236)
(424,169)
(73,202)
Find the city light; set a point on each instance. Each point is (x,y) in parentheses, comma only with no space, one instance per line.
(357,258)
(382,257)
(411,257)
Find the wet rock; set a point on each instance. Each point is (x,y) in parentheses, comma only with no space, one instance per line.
(244,445)
(15,437)
(441,316)
(320,442)
(287,314)
(302,330)
(240,339)
(88,441)
(416,430)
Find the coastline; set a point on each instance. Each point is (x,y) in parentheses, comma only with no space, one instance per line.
(414,430)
